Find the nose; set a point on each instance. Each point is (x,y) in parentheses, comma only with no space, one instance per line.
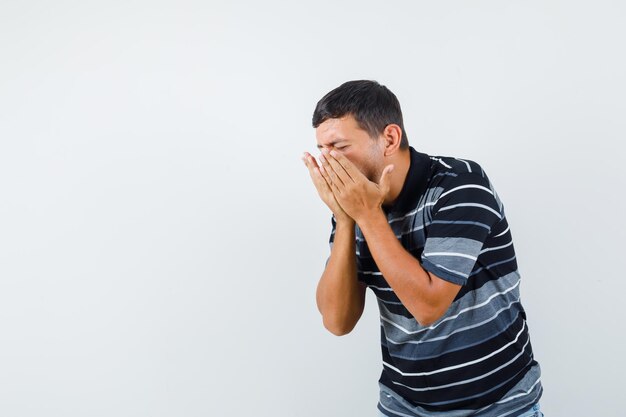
(328,147)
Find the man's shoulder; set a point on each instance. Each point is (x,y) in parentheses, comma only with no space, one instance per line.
(462,181)
(452,166)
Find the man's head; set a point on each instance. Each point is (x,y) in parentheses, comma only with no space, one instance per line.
(363,120)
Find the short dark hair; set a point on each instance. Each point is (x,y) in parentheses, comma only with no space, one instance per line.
(372,105)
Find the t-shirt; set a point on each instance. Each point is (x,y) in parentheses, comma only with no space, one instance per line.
(478,355)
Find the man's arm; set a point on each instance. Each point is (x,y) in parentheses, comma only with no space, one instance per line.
(425,295)
(463,217)
(340,296)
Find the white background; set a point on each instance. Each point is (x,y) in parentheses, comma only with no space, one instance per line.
(161,241)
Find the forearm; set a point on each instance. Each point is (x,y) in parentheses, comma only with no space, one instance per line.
(410,282)
(339,294)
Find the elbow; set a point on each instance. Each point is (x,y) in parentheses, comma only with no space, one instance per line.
(427,318)
(337,328)
(338,332)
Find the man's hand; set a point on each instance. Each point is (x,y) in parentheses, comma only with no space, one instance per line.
(323,189)
(358,196)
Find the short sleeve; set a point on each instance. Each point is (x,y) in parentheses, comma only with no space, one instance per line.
(331,238)
(462,218)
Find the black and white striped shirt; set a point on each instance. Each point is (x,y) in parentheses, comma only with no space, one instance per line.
(478,356)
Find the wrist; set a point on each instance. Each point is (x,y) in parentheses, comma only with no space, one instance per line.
(372,218)
(345,221)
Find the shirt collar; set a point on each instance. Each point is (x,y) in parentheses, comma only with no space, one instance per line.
(414,184)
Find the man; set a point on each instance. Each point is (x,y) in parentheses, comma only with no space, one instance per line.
(428,235)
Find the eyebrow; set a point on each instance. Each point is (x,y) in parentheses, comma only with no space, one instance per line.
(332,143)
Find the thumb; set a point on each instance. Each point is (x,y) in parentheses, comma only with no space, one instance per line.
(385,180)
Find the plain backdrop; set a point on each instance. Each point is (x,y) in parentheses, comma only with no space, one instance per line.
(161,240)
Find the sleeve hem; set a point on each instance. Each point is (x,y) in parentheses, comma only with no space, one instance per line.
(442,273)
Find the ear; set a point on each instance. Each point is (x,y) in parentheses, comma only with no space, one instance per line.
(392,136)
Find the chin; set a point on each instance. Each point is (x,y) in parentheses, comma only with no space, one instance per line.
(371,175)
(376,177)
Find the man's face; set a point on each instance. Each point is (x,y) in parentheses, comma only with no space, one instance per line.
(345,136)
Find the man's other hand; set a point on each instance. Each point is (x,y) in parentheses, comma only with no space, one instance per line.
(323,188)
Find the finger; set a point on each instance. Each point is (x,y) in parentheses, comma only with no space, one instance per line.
(309,164)
(321,174)
(314,171)
(334,178)
(326,173)
(338,169)
(326,177)
(336,189)
(313,162)
(347,166)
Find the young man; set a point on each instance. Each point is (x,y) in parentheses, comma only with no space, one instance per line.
(428,235)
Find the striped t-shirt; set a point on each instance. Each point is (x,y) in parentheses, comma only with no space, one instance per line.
(477,358)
